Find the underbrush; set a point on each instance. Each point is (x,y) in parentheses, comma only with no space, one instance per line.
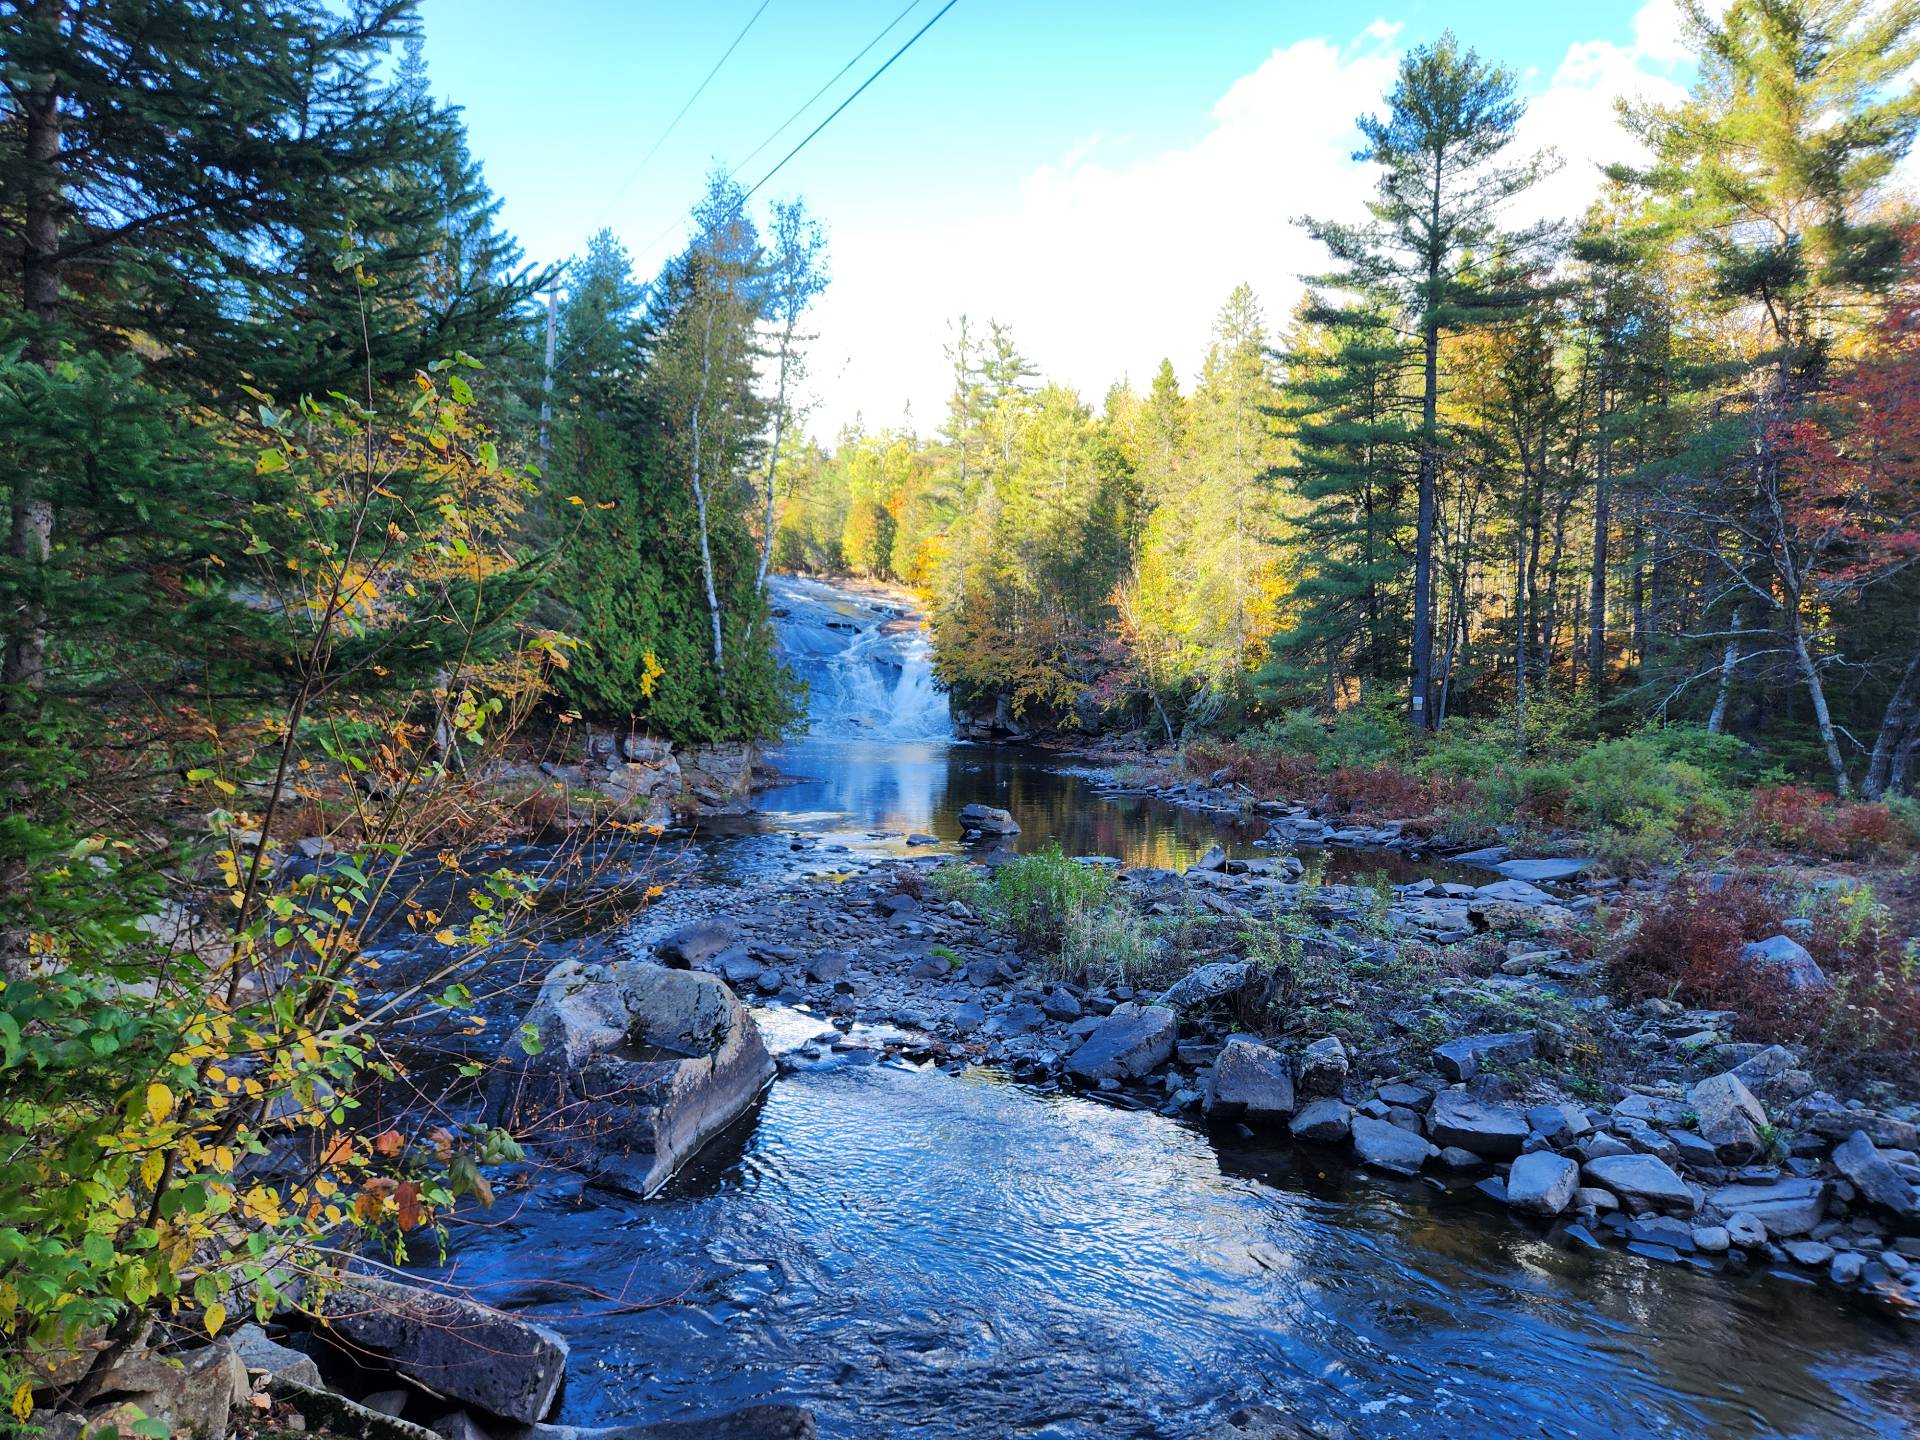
(1812,822)
(1031,895)
(1687,946)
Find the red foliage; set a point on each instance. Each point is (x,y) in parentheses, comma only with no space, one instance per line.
(1380,792)
(1685,946)
(1270,774)
(1814,823)
(1870,1024)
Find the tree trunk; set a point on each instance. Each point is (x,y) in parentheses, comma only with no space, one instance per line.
(30,531)
(700,501)
(1816,692)
(1597,579)
(1897,729)
(1729,659)
(1420,698)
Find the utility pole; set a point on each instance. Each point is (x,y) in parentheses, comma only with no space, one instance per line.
(546,383)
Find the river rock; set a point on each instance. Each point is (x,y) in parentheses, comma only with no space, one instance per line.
(988,820)
(263,1356)
(1134,1040)
(1258,1422)
(1543,871)
(193,1394)
(1388,1147)
(1731,1120)
(1322,1069)
(1514,892)
(1324,1122)
(1465,1057)
(1786,1207)
(1542,1183)
(1456,1118)
(1787,958)
(1214,859)
(1558,1122)
(1250,1079)
(322,1412)
(455,1347)
(1643,1182)
(1205,984)
(751,1422)
(694,944)
(636,1067)
(1874,1176)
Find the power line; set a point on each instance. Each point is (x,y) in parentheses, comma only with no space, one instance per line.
(850,99)
(698,90)
(911,40)
(807,104)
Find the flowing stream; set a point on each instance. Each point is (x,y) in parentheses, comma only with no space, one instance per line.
(913,1252)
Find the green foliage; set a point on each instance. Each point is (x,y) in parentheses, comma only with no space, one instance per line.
(1034,896)
(867,542)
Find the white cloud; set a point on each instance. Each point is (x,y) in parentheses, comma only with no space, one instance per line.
(1102,270)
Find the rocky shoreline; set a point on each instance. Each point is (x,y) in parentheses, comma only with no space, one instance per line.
(1644,1125)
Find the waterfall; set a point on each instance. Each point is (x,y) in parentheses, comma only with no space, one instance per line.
(866,659)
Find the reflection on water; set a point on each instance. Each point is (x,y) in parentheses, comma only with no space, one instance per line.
(845,789)
(911,1252)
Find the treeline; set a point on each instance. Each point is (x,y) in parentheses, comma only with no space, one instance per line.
(1655,465)
(304,525)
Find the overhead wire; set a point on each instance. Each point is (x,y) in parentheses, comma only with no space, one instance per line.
(811,134)
(673,124)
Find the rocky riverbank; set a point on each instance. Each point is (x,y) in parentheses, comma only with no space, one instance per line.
(1454,1033)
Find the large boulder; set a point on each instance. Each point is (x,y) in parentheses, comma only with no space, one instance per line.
(263,1356)
(633,1068)
(1730,1119)
(453,1346)
(1787,959)
(193,1394)
(1873,1175)
(1467,1056)
(1542,1183)
(988,820)
(1131,1042)
(1787,1207)
(1458,1119)
(1642,1183)
(1250,1079)
(1386,1146)
(718,779)
(1206,983)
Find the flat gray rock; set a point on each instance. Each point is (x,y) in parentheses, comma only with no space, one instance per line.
(1387,1147)
(1787,1207)
(1456,1118)
(1514,892)
(1467,1056)
(1324,1122)
(1643,1182)
(1131,1042)
(1543,871)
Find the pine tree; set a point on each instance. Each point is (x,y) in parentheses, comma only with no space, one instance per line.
(1449,117)
(1349,405)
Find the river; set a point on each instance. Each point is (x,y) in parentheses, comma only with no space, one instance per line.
(914,1252)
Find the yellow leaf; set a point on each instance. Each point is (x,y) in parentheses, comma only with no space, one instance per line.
(216,1317)
(575,500)
(23,1401)
(150,1168)
(446,937)
(159,1101)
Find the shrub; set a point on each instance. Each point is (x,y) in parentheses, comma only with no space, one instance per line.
(1869,1026)
(1685,945)
(1108,941)
(1031,895)
(1812,822)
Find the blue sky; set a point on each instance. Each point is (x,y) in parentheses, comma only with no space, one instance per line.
(1098,175)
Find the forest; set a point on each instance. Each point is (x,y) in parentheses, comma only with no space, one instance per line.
(345,540)
(1653,467)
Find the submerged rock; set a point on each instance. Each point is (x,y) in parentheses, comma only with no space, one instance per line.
(1324,1122)
(635,1066)
(1388,1147)
(750,1422)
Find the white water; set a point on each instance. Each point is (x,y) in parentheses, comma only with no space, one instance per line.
(866,659)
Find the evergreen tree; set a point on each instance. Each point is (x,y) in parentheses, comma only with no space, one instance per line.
(1449,117)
